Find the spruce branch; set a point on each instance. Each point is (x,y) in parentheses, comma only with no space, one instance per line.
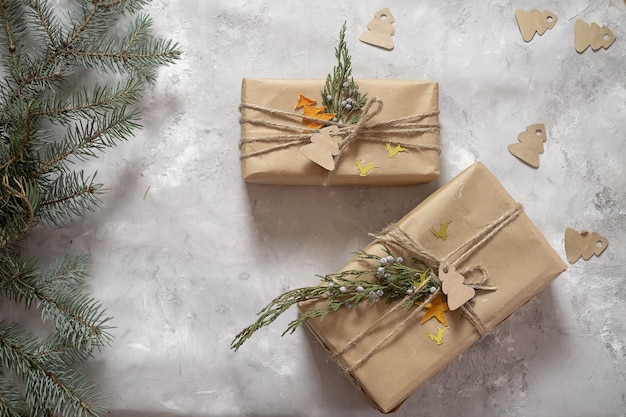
(14,33)
(88,102)
(383,278)
(19,201)
(47,123)
(60,352)
(67,271)
(11,402)
(72,392)
(68,197)
(88,136)
(79,319)
(47,26)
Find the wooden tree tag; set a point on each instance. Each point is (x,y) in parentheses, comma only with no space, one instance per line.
(586,35)
(453,286)
(380,30)
(530,144)
(534,21)
(583,244)
(324,145)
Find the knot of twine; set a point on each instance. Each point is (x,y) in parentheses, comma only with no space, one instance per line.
(394,235)
(364,130)
(358,127)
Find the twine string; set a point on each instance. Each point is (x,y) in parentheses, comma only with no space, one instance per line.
(364,130)
(368,113)
(399,327)
(396,236)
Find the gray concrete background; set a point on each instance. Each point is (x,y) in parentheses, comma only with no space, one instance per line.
(185,253)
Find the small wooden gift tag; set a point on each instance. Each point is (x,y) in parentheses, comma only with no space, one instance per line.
(380,30)
(324,145)
(583,244)
(530,144)
(453,286)
(534,21)
(586,35)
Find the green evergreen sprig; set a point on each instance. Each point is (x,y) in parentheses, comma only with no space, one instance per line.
(341,94)
(386,278)
(52,115)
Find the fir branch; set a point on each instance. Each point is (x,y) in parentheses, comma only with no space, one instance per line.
(40,77)
(140,60)
(15,269)
(22,138)
(96,18)
(58,351)
(138,33)
(122,6)
(68,197)
(89,136)
(11,402)
(48,25)
(87,25)
(19,201)
(341,94)
(81,319)
(66,271)
(45,124)
(73,394)
(13,33)
(89,102)
(383,278)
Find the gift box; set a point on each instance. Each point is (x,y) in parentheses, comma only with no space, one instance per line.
(387,351)
(397,143)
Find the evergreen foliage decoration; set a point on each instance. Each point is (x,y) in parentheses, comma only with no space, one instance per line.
(51,118)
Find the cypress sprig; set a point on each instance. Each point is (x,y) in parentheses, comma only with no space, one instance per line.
(341,94)
(385,278)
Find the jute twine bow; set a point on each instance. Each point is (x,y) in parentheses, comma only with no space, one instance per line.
(364,130)
(393,235)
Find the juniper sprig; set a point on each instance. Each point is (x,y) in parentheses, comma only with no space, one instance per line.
(385,278)
(341,94)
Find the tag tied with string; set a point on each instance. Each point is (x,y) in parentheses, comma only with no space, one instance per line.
(277,148)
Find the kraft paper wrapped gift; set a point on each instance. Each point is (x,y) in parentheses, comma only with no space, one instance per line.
(487,228)
(268,118)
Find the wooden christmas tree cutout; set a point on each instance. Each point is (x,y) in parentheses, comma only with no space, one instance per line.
(534,21)
(323,147)
(453,285)
(380,30)
(530,144)
(583,244)
(586,35)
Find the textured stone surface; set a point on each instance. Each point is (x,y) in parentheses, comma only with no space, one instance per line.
(185,253)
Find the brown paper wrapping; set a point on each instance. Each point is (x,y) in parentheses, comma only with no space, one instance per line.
(401,98)
(519,261)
